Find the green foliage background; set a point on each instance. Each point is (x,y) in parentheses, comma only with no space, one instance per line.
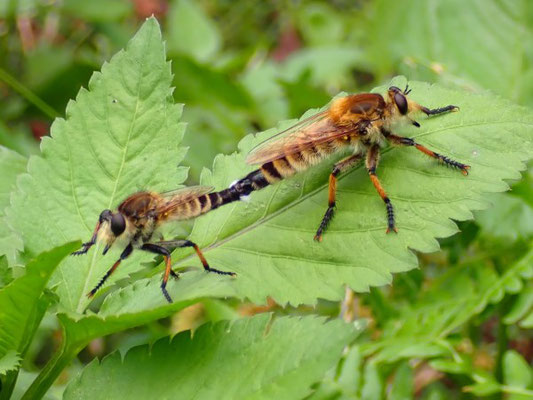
(459,326)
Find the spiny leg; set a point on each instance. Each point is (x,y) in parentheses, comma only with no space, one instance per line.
(158,249)
(87,245)
(339,167)
(188,243)
(372,160)
(403,141)
(125,254)
(436,111)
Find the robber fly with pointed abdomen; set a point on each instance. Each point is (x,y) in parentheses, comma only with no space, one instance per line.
(363,122)
(138,217)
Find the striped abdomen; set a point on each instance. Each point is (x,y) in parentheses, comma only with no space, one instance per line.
(204,203)
(286,166)
(296,162)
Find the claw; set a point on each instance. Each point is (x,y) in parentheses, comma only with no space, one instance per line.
(165,293)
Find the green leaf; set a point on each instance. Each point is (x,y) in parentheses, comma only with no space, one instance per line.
(10,361)
(191,32)
(510,218)
(11,165)
(516,371)
(254,358)
(483,389)
(269,241)
(22,306)
(527,322)
(121,135)
(372,382)
(459,366)
(132,306)
(19,300)
(402,385)
(457,40)
(522,306)
(350,374)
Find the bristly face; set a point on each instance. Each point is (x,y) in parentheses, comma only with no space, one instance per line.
(112,225)
(401,106)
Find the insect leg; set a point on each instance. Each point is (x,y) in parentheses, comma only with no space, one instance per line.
(188,243)
(158,249)
(87,245)
(339,167)
(403,141)
(125,254)
(435,111)
(372,160)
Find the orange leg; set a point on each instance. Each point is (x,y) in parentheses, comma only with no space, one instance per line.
(372,160)
(159,248)
(125,254)
(341,166)
(403,141)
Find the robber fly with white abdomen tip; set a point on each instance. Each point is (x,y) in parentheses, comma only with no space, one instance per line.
(363,122)
(139,216)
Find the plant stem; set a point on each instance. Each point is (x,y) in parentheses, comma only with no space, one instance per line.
(51,371)
(28,94)
(501,340)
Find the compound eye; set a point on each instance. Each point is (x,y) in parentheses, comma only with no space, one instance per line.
(401,103)
(394,89)
(118,224)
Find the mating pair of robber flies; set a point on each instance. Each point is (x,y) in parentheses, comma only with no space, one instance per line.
(362,122)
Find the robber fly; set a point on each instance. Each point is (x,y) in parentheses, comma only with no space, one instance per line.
(138,217)
(362,122)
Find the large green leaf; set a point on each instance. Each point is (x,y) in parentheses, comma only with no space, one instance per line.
(18,300)
(22,306)
(268,241)
(254,358)
(119,136)
(11,165)
(134,305)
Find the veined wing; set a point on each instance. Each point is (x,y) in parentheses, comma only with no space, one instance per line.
(314,130)
(188,191)
(175,198)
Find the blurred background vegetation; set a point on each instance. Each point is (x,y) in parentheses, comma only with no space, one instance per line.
(242,66)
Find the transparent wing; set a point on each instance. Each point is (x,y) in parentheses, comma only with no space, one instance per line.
(307,133)
(175,198)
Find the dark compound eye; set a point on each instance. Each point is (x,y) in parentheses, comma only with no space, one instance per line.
(118,224)
(401,103)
